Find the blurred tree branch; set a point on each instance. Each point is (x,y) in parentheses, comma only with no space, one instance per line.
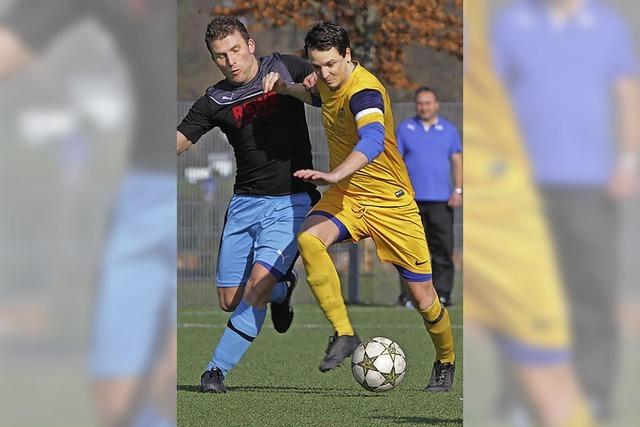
(380,30)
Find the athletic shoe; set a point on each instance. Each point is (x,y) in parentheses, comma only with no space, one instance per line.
(282,313)
(442,376)
(339,348)
(212,381)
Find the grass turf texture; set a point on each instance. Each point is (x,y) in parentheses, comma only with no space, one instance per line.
(278,383)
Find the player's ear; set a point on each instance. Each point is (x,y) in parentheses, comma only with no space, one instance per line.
(347,54)
(252,46)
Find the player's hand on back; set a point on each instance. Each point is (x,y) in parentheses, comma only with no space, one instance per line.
(272,81)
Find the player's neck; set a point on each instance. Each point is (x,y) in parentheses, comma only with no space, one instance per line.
(254,69)
(350,67)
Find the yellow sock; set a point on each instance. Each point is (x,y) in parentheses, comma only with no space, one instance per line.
(436,320)
(324,282)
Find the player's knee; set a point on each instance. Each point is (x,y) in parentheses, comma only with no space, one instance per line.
(423,304)
(228,306)
(229,297)
(425,301)
(308,244)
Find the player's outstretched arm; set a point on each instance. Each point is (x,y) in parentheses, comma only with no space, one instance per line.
(273,81)
(182,143)
(353,163)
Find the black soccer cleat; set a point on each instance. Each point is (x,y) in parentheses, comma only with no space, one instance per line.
(282,314)
(339,348)
(212,381)
(442,376)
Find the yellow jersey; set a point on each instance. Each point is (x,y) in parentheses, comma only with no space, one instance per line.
(384,181)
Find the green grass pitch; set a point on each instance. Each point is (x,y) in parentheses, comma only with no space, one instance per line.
(278,383)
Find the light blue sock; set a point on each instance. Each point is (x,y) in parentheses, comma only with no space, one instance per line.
(279,292)
(242,328)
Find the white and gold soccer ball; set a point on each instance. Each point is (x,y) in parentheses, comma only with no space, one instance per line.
(378,364)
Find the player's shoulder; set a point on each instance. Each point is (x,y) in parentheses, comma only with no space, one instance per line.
(267,59)
(277,59)
(365,82)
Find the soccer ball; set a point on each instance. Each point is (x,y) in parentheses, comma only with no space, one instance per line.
(378,364)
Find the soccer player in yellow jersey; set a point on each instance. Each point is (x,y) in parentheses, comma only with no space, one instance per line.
(370,195)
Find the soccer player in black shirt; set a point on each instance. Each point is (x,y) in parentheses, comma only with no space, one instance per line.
(270,139)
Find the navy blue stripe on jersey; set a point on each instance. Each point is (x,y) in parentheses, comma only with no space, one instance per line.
(371,142)
(365,99)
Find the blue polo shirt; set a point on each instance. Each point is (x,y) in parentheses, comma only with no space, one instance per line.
(427,153)
(560,78)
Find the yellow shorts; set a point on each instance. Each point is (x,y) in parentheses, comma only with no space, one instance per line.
(511,280)
(396,231)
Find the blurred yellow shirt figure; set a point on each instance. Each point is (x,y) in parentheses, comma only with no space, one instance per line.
(511,281)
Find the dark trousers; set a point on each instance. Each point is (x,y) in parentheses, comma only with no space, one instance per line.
(584,223)
(584,227)
(437,219)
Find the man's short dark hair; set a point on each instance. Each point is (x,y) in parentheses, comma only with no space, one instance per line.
(422,89)
(325,35)
(221,26)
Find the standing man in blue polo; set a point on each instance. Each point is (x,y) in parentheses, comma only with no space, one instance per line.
(430,146)
(570,69)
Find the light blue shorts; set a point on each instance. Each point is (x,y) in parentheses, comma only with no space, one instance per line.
(260,230)
(136,295)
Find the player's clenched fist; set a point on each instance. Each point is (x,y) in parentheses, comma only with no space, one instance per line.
(272,81)
(310,81)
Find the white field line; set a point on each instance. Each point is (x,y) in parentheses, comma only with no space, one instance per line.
(354,309)
(309,325)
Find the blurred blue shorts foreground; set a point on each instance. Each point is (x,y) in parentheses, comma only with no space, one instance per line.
(137,289)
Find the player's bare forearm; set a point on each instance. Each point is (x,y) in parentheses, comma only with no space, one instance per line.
(353,163)
(272,81)
(297,90)
(182,143)
(14,54)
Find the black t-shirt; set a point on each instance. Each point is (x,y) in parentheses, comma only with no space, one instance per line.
(145,33)
(268,132)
